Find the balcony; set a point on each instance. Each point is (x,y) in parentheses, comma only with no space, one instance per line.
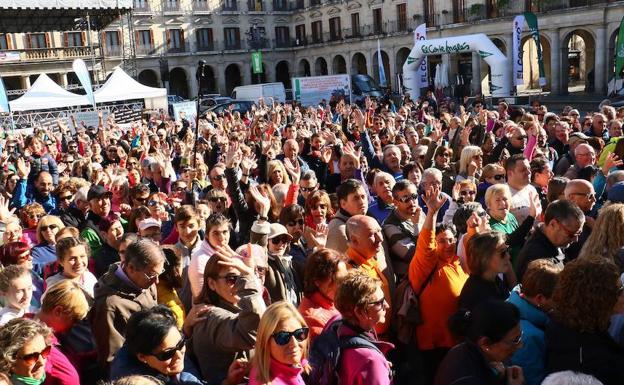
(256,44)
(315,3)
(232,45)
(201,6)
(113,51)
(144,50)
(141,7)
(172,7)
(184,48)
(283,43)
(296,5)
(206,47)
(255,6)
(47,54)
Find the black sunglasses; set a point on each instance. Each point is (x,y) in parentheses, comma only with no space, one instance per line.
(308,189)
(283,338)
(499,177)
(217,199)
(295,223)
(278,240)
(467,192)
(230,279)
(407,198)
(169,353)
(51,227)
(218,177)
(66,197)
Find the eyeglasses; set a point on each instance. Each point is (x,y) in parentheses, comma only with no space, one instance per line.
(308,189)
(516,341)
(499,177)
(589,196)
(521,137)
(153,276)
(179,188)
(378,303)
(283,338)
(408,198)
(24,258)
(467,192)
(218,177)
(153,203)
(66,198)
(278,240)
(230,279)
(51,227)
(478,156)
(31,358)
(295,223)
(571,234)
(168,354)
(217,199)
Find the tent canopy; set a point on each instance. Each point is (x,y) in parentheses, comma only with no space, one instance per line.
(120,86)
(58,15)
(46,94)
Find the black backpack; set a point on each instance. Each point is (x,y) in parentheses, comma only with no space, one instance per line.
(325,354)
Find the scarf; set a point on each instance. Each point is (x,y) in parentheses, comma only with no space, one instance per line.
(27,380)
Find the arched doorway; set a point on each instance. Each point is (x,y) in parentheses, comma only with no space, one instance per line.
(232,78)
(339,65)
(530,66)
(210,85)
(320,67)
(178,82)
(304,68)
(577,61)
(258,78)
(282,73)
(358,64)
(386,66)
(148,78)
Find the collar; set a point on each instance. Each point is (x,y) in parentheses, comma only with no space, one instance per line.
(280,369)
(121,274)
(357,259)
(322,300)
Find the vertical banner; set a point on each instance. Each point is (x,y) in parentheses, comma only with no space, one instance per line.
(518,68)
(619,52)
(4,99)
(382,70)
(256,62)
(420,33)
(80,68)
(531,20)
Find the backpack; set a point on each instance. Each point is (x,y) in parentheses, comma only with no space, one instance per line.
(324,357)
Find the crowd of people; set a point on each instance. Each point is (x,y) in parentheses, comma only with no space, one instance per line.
(426,242)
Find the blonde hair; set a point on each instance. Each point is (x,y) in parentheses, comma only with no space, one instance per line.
(494,190)
(48,220)
(277,165)
(489,170)
(67,232)
(607,238)
(275,314)
(466,156)
(68,295)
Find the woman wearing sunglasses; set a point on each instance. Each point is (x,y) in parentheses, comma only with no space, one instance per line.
(228,331)
(281,347)
(30,216)
(26,350)
(282,282)
(493,335)
(44,253)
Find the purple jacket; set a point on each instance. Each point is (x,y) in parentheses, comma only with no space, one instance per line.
(364,366)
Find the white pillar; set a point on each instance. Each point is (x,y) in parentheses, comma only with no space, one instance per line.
(600,67)
(25,82)
(476,74)
(63,79)
(555,62)
(510,60)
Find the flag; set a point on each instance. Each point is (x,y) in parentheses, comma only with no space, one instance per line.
(382,71)
(4,100)
(518,27)
(80,68)
(420,33)
(619,52)
(531,20)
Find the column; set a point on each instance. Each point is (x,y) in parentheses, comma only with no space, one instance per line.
(193,83)
(269,70)
(220,77)
(600,65)
(446,61)
(393,71)
(510,61)
(25,82)
(369,63)
(246,72)
(555,62)
(64,80)
(475,85)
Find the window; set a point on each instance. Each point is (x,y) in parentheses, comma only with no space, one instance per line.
(172,5)
(377,23)
(255,5)
(5,41)
(334,28)
(111,40)
(355,24)
(401,17)
(205,40)
(280,5)
(175,40)
(73,39)
(231,36)
(37,40)
(141,5)
(429,10)
(201,5)
(300,33)
(144,41)
(282,36)
(317,31)
(230,5)
(459,8)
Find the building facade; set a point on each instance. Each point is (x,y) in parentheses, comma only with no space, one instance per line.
(162,41)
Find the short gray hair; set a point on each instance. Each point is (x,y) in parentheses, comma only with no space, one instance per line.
(569,377)
(144,253)
(308,175)
(431,173)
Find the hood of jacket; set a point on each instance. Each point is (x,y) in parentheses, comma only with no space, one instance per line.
(528,312)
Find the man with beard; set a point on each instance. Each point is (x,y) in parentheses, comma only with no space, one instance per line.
(100,206)
(402,226)
(41,193)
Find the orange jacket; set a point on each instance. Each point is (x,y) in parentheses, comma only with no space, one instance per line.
(317,310)
(438,300)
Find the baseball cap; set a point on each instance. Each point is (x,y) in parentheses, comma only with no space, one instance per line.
(577,136)
(148,222)
(616,193)
(278,229)
(98,191)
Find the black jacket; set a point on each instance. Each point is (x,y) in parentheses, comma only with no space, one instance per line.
(537,246)
(477,290)
(465,365)
(596,354)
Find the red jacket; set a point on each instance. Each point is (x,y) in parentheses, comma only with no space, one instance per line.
(316,311)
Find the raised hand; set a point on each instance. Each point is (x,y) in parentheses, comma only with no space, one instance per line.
(23,168)
(249,163)
(360,119)
(433,199)
(611,161)
(294,170)
(5,212)
(263,202)
(232,154)
(229,258)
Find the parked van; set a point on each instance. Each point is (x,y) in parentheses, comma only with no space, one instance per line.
(255,91)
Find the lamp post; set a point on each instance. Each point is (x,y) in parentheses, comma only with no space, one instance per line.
(255,39)
(82,23)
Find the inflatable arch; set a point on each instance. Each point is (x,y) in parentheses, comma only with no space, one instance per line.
(499,67)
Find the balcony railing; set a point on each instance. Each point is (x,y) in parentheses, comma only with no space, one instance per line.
(283,43)
(180,49)
(315,2)
(232,45)
(46,54)
(141,7)
(114,51)
(297,4)
(171,6)
(145,49)
(201,6)
(206,47)
(255,6)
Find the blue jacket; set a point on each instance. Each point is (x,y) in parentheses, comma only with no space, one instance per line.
(532,356)
(22,197)
(124,364)
(43,254)
(373,160)
(379,210)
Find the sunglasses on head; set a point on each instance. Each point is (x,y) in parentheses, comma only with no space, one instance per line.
(407,198)
(278,240)
(230,279)
(168,354)
(295,223)
(31,358)
(283,338)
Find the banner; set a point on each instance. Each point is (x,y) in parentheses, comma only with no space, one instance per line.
(531,20)
(310,90)
(189,109)
(80,68)
(420,33)
(518,68)
(619,52)
(382,70)
(256,62)
(4,100)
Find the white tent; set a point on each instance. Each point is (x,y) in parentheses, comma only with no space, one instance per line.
(120,86)
(46,94)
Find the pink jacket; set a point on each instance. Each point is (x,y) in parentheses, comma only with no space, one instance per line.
(364,366)
(281,374)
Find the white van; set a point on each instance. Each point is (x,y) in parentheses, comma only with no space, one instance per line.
(255,91)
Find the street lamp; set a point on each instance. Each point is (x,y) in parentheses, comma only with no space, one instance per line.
(256,40)
(82,23)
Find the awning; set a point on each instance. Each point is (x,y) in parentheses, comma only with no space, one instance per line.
(58,15)
(46,94)
(120,86)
